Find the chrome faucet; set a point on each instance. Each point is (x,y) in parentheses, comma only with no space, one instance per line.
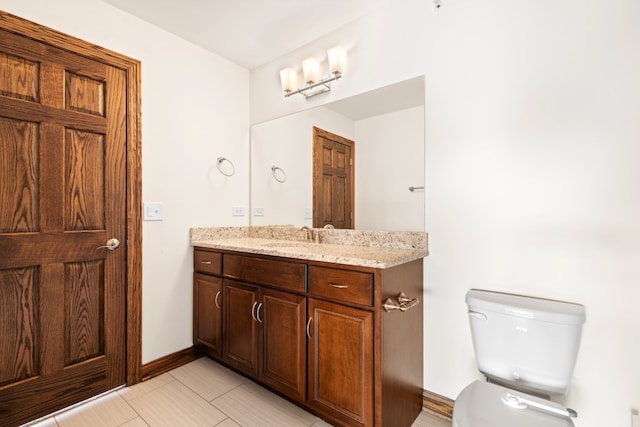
(309,233)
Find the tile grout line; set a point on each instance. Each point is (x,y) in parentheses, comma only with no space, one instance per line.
(210,402)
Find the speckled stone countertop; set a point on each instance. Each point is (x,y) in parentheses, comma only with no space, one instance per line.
(377,249)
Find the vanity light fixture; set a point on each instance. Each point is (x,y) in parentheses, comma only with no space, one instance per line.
(313,83)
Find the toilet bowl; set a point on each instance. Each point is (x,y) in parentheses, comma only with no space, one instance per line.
(526,347)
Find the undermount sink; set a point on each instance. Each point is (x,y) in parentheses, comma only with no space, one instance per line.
(285,244)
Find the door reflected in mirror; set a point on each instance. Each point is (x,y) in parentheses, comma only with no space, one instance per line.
(387,128)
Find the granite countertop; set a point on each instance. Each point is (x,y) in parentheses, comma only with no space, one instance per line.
(375,249)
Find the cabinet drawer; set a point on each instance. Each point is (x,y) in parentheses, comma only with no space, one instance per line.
(207,262)
(341,285)
(281,274)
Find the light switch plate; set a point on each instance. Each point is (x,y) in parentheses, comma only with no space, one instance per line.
(152,211)
(308,213)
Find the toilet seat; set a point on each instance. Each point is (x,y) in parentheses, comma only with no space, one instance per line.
(483,404)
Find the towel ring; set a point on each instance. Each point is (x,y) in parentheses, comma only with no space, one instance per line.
(222,160)
(278,174)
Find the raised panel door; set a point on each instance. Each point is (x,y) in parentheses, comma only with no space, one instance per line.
(283,358)
(240,328)
(207,306)
(333,180)
(340,362)
(62,196)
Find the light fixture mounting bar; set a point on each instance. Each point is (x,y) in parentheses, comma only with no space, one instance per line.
(308,92)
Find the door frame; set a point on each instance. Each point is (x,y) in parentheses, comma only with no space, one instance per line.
(131,67)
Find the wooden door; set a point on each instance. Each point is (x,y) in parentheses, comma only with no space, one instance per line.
(340,366)
(207,306)
(63,144)
(240,333)
(333,180)
(282,316)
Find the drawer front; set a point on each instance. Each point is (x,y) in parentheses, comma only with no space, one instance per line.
(341,285)
(207,262)
(280,274)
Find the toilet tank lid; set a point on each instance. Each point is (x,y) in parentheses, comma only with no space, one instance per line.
(524,306)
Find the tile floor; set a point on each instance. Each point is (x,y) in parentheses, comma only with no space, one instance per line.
(201,393)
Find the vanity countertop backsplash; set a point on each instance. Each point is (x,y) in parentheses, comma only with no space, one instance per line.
(377,249)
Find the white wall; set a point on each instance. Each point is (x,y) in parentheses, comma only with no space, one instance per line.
(389,160)
(532,145)
(195,107)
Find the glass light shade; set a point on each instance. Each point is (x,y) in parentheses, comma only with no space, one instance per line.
(288,79)
(311,70)
(337,58)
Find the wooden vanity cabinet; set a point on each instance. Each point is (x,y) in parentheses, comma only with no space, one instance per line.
(364,364)
(317,333)
(264,328)
(207,308)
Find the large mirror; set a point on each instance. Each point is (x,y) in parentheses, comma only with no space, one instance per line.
(387,128)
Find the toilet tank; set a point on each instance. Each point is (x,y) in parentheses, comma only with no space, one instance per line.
(529,344)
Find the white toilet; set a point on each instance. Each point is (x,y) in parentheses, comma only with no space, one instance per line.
(527,348)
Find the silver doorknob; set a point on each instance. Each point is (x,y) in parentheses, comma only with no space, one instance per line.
(112,244)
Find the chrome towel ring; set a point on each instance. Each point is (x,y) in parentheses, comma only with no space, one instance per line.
(278,174)
(222,171)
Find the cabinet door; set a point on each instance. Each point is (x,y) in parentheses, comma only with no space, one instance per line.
(240,347)
(283,363)
(207,326)
(340,362)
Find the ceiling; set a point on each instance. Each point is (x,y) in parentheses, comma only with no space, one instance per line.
(248,32)
(395,97)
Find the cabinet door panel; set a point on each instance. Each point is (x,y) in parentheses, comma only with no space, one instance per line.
(284,354)
(207,326)
(240,347)
(341,362)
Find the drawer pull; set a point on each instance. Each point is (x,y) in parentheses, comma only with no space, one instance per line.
(338,286)
(308,325)
(402,303)
(215,300)
(205,262)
